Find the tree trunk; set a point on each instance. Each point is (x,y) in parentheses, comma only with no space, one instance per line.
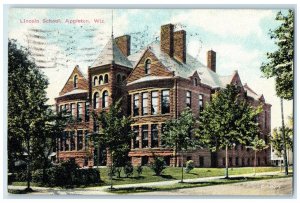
(175,156)
(28,164)
(254,162)
(111,171)
(284,141)
(226,161)
(181,166)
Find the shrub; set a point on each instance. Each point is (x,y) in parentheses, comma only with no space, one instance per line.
(128,169)
(118,170)
(158,165)
(21,176)
(189,166)
(139,170)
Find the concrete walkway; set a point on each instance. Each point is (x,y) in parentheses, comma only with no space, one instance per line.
(102,190)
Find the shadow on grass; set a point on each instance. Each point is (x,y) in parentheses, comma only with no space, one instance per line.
(168,177)
(24,191)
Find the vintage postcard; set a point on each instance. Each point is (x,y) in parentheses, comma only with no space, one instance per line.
(164,102)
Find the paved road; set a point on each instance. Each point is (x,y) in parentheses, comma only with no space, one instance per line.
(250,187)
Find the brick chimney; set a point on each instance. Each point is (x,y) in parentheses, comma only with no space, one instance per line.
(211,60)
(167,39)
(180,45)
(123,43)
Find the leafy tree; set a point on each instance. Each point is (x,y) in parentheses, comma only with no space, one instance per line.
(177,135)
(280,65)
(228,120)
(257,145)
(277,141)
(158,165)
(115,133)
(26,105)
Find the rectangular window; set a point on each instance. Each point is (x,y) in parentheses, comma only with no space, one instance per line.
(67,140)
(200,102)
(61,108)
(162,142)
(87,111)
(154,102)
(136,105)
(266,119)
(79,111)
(73,110)
(136,139)
(144,103)
(72,140)
(154,135)
(86,139)
(165,102)
(145,136)
(66,107)
(188,99)
(79,139)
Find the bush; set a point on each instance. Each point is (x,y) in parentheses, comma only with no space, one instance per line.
(128,169)
(67,174)
(189,166)
(139,170)
(158,165)
(21,176)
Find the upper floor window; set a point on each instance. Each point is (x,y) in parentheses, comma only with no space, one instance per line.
(145,103)
(95,80)
(200,102)
(118,78)
(100,80)
(79,139)
(105,99)
(123,78)
(266,120)
(73,107)
(105,78)
(136,105)
(79,111)
(148,66)
(75,81)
(188,99)
(165,101)
(154,102)
(96,100)
(195,81)
(87,111)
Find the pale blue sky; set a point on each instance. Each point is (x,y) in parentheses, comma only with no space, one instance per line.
(240,38)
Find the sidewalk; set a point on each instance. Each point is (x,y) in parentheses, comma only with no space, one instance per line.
(102,190)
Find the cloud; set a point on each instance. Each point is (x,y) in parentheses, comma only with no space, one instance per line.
(226,22)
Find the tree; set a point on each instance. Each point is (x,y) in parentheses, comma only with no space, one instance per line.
(228,120)
(26,105)
(115,133)
(277,141)
(257,145)
(280,65)
(177,135)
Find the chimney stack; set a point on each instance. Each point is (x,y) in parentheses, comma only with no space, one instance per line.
(180,45)
(211,60)
(123,43)
(167,39)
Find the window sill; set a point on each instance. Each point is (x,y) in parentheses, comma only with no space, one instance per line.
(150,115)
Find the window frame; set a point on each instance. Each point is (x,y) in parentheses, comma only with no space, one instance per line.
(75,81)
(188,99)
(136,105)
(96,103)
(153,107)
(145,131)
(154,132)
(162,102)
(147,67)
(145,100)
(105,99)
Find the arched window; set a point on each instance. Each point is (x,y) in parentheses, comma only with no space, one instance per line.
(106,78)
(75,81)
(123,78)
(118,78)
(105,99)
(96,100)
(100,80)
(147,66)
(95,80)
(195,82)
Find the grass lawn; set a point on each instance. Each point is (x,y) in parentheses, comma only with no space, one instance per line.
(191,185)
(170,173)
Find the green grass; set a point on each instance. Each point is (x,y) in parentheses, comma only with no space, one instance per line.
(191,185)
(170,173)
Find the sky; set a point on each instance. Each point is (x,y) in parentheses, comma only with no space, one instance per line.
(239,37)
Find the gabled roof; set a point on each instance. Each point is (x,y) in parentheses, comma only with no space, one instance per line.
(185,70)
(111,54)
(250,92)
(75,91)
